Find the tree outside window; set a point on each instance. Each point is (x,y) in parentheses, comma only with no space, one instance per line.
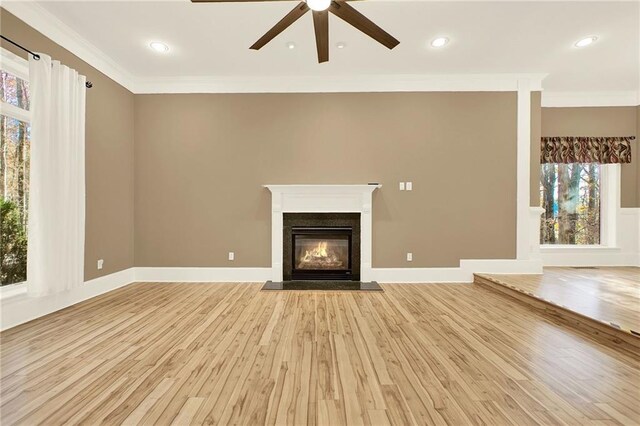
(570,197)
(14,177)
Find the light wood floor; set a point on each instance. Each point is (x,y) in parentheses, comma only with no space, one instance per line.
(607,294)
(229,354)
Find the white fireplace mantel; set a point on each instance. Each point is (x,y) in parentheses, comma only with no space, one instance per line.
(321,199)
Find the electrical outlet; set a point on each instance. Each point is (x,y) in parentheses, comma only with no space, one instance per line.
(409,186)
(232,255)
(409,257)
(100,263)
(401,186)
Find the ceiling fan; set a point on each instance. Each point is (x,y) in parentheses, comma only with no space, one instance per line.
(320,10)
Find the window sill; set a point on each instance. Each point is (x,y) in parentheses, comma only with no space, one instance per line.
(550,248)
(12,291)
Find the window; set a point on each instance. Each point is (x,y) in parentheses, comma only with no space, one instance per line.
(14,167)
(571,197)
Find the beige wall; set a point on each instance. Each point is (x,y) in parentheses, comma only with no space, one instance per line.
(109,154)
(536,131)
(600,121)
(201,161)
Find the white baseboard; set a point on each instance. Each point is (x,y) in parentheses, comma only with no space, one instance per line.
(23,308)
(150,274)
(463,273)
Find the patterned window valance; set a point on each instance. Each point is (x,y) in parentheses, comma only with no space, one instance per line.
(578,149)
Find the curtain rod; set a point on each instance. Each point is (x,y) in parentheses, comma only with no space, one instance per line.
(35,56)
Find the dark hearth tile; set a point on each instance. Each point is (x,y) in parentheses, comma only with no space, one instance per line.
(323,285)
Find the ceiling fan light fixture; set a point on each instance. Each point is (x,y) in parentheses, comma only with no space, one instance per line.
(318,5)
(321,9)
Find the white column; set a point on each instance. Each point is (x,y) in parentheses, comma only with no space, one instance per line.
(276,236)
(366,237)
(523,243)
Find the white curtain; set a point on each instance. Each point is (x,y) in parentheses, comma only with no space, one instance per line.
(55,253)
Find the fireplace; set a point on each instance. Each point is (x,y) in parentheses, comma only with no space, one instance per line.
(321,246)
(321,253)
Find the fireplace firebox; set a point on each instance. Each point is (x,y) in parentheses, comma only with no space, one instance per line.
(321,247)
(321,253)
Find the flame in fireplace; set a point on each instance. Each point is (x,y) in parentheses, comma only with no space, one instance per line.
(319,257)
(318,251)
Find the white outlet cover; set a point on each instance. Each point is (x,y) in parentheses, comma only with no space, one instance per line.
(409,257)
(409,186)
(100,263)
(401,186)
(232,255)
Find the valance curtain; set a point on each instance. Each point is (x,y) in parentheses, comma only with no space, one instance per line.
(577,149)
(55,253)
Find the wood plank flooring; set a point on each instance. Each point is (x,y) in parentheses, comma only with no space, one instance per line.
(610,294)
(230,354)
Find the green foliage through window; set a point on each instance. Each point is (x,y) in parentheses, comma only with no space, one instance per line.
(14,180)
(13,244)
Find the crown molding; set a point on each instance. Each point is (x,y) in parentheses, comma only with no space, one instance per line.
(53,28)
(347,83)
(590,99)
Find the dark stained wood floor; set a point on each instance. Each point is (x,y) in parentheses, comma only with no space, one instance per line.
(230,354)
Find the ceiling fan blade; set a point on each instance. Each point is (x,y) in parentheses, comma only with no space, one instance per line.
(350,15)
(289,19)
(321,26)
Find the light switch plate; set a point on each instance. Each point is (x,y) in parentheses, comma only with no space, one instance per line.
(409,186)
(401,186)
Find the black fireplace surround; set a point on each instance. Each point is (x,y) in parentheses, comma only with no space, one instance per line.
(321,246)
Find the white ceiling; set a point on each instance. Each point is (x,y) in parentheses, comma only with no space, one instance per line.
(486,37)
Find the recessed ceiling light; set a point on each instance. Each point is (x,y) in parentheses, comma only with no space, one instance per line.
(585,41)
(159,46)
(439,42)
(291,45)
(341,45)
